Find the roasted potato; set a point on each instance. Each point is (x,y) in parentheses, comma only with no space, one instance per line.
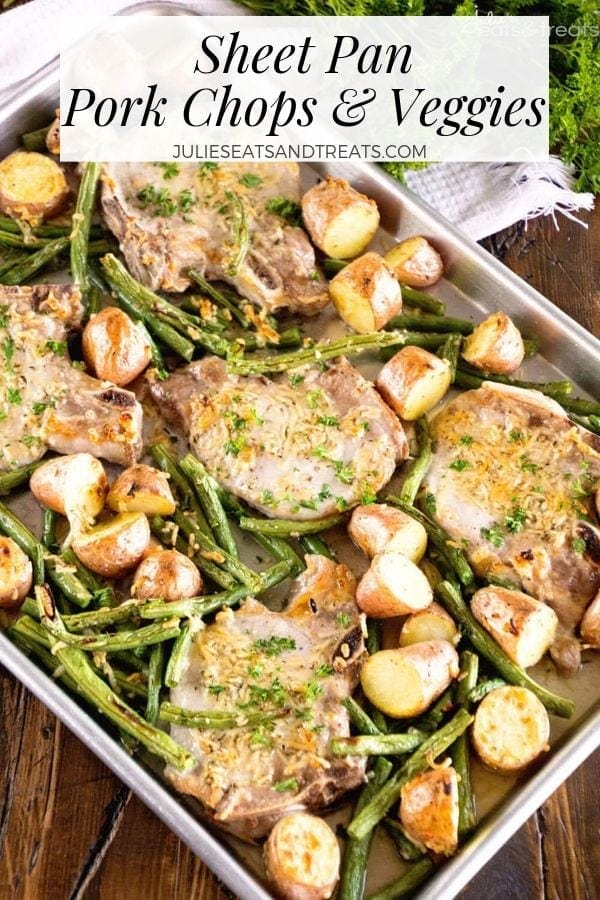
(590,624)
(167,574)
(141,488)
(114,347)
(115,546)
(32,187)
(373,526)
(415,262)
(53,136)
(429,809)
(340,221)
(413,381)
(511,729)
(431,624)
(16,574)
(302,858)
(392,586)
(366,294)
(495,345)
(74,486)
(403,683)
(524,627)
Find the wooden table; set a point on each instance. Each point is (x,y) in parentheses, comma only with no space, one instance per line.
(69,829)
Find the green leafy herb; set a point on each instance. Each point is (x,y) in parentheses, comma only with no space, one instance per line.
(343,619)
(8,348)
(249,180)
(332,421)
(206,167)
(460,465)
(516,436)
(169,169)
(466,440)
(288,210)
(289,784)
(494,535)
(274,645)
(515,519)
(578,545)
(234,447)
(323,671)
(13,395)
(216,689)
(295,380)
(527,465)
(59,348)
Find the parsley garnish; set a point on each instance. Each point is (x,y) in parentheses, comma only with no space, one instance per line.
(59,348)
(313,397)
(288,210)
(459,465)
(527,465)
(290,784)
(206,167)
(313,690)
(169,169)
(323,671)
(516,436)
(234,447)
(343,619)
(578,545)
(216,689)
(368,496)
(494,535)
(295,380)
(466,440)
(249,180)
(515,519)
(274,645)
(14,396)
(267,498)
(8,348)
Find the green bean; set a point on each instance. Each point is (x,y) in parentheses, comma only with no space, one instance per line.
(420,760)
(558,390)
(94,584)
(211,504)
(377,745)
(351,345)
(404,846)
(122,640)
(221,298)
(155,679)
(25,269)
(467,815)
(156,356)
(416,339)
(374,632)
(419,465)
(163,332)
(163,531)
(433,718)
(101,246)
(95,691)
(46,658)
(532,346)
(450,351)
(332,266)
(218,720)
(36,140)
(431,323)
(67,582)
(22,536)
(103,618)
(289,526)
(233,566)
(130,659)
(11,480)
(167,461)
(441,540)
(502,582)
(49,522)
(451,599)
(82,220)
(422,301)
(47,230)
(130,686)
(582,407)
(312,543)
(594,423)
(356,852)
(407,884)
(179,653)
(478,692)
(20,240)
(9,258)
(359,718)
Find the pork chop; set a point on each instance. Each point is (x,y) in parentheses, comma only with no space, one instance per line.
(170,217)
(513,479)
(296,667)
(301,447)
(45,401)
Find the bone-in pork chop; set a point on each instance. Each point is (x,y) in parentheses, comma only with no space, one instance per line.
(513,478)
(44,401)
(295,667)
(169,218)
(301,447)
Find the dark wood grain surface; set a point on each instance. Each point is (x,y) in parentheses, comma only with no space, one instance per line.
(69,829)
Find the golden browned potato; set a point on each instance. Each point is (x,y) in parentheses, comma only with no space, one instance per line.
(413,381)
(495,345)
(53,136)
(167,574)
(74,486)
(141,488)
(511,729)
(114,347)
(114,547)
(302,858)
(392,586)
(340,221)
(403,683)
(16,574)
(415,262)
(366,294)
(431,624)
(524,627)
(373,526)
(590,624)
(32,186)
(429,809)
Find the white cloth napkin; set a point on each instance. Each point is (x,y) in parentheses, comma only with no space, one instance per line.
(481,198)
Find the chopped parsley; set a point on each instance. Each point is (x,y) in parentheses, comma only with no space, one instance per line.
(313,397)
(516,436)
(4,316)
(216,689)
(295,380)
(13,395)
(235,447)
(161,203)
(515,519)
(313,690)
(459,465)
(578,490)
(466,440)
(343,619)
(430,503)
(274,645)
(186,200)
(578,545)
(29,440)
(267,498)
(343,471)
(249,180)
(323,671)
(324,493)
(494,535)
(332,421)
(169,169)
(288,210)
(527,465)
(38,408)
(8,348)
(206,167)
(289,784)
(59,348)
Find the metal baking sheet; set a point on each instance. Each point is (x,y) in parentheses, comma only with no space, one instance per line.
(475,283)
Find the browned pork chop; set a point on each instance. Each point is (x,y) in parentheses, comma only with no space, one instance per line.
(301,447)
(44,401)
(514,478)
(293,667)
(170,217)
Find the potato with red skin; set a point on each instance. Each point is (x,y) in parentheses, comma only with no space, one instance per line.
(366,294)
(16,574)
(429,809)
(372,527)
(340,221)
(590,624)
(413,381)
(511,729)
(523,626)
(115,546)
(302,858)
(142,488)
(415,262)
(431,624)
(74,486)
(167,574)
(33,187)
(495,345)
(114,348)
(392,586)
